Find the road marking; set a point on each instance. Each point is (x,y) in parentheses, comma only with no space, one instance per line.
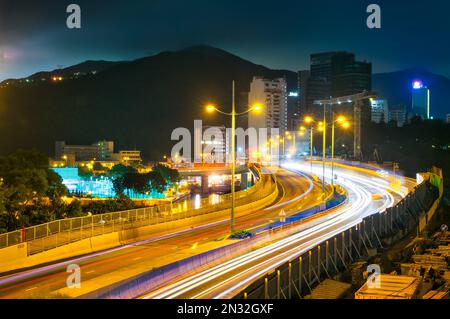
(31,288)
(137,258)
(90,272)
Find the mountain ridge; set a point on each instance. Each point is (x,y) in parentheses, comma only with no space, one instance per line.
(139,103)
(135,103)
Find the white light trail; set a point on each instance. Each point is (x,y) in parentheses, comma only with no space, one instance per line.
(360,189)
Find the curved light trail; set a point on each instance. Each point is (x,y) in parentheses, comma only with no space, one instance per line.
(227,279)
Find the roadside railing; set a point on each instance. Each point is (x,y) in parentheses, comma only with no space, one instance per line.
(148,281)
(304,271)
(64,231)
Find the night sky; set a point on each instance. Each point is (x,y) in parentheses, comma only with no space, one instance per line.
(278,34)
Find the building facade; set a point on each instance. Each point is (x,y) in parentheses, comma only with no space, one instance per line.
(398,114)
(215,145)
(379,110)
(335,74)
(87,155)
(272,95)
(293,111)
(303,83)
(420,100)
(130,158)
(78,152)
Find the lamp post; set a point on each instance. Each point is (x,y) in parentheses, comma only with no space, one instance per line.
(309,120)
(291,145)
(324,146)
(212,108)
(294,145)
(322,126)
(342,120)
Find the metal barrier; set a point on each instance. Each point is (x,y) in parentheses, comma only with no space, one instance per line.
(60,232)
(145,282)
(299,276)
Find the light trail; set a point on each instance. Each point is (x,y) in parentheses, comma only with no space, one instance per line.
(112,262)
(230,277)
(308,191)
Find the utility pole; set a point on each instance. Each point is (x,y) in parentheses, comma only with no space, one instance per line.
(311,132)
(233,157)
(324,146)
(357,130)
(357,101)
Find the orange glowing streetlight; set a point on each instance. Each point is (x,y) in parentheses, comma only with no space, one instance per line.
(344,124)
(257,107)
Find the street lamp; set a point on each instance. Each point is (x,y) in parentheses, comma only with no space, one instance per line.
(212,108)
(321,127)
(344,124)
(281,140)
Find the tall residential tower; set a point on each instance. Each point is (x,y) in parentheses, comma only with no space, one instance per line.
(272,95)
(420,100)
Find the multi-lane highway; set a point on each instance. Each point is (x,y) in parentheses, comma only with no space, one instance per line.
(368,193)
(101,269)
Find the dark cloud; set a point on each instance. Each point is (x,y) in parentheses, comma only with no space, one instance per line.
(278,34)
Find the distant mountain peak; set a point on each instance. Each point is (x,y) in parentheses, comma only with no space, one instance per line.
(204,48)
(208,50)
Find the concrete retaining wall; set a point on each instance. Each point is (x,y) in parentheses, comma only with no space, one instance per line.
(17,258)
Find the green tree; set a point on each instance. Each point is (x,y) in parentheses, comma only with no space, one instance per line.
(25,181)
(119,186)
(120,170)
(172,176)
(158,182)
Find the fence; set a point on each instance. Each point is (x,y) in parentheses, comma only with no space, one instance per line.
(60,232)
(150,280)
(300,275)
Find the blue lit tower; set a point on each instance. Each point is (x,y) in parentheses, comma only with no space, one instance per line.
(420,100)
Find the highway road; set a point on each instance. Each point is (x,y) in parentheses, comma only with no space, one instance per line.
(103,268)
(368,194)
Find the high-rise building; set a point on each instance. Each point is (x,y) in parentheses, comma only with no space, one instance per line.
(340,74)
(420,100)
(335,74)
(398,114)
(293,111)
(272,95)
(349,76)
(379,110)
(303,83)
